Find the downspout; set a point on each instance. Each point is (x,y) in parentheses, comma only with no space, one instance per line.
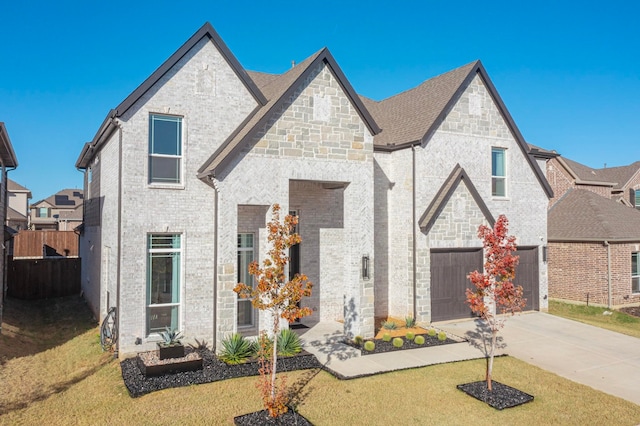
(119,244)
(5,257)
(413,229)
(215,261)
(606,243)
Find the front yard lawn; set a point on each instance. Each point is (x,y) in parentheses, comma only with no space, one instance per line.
(85,387)
(592,315)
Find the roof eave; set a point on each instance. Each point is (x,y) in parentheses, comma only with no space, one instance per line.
(205,31)
(592,240)
(7,155)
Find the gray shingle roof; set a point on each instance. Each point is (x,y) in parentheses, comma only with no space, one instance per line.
(617,176)
(408,116)
(582,215)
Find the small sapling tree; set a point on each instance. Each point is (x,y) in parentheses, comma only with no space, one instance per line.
(277,295)
(494,291)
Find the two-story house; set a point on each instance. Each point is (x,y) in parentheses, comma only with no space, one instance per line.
(594,233)
(61,211)
(181,175)
(18,206)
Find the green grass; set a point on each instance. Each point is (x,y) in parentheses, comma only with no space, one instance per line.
(85,387)
(617,321)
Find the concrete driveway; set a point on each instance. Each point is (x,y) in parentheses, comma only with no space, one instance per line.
(605,360)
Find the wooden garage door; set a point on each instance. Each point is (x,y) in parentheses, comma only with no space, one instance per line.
(528,276)
(449,270)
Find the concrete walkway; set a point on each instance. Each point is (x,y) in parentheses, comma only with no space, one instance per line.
(602,359)
(605,360)
(324,340)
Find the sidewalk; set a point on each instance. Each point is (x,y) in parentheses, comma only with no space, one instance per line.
(324,340)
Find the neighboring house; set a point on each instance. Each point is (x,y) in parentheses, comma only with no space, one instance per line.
(181,175)
(594,233)
(18,206)
(62,211)
(8,162)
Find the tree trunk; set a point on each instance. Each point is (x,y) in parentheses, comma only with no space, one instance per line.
(494,334)
(274,356)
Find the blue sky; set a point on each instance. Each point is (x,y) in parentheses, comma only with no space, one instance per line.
(568,72)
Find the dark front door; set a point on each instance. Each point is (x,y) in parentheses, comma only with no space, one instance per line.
(528,276)
(449,282)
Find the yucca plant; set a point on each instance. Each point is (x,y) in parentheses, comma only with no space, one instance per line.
(236,349)
(288,343)
(409,322)
(389,325)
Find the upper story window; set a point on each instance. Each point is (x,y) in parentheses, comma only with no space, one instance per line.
(165,149)
(637,199)
(42,212)
(498,172)
(635,272)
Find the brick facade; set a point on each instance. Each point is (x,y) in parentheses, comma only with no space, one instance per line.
(579,272)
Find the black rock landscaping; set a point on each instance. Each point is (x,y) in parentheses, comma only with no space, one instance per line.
(382,346)
(501,397)
(259,418)
(212,370)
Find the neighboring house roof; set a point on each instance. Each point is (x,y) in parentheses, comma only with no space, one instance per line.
(74,214)
(65,199)
(445,192)
(13,214)
(411,117)
(278,91)
(13,186)
(7,156)
(616,177)
(108,126)
(581,215)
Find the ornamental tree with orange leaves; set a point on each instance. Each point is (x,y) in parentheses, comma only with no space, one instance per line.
(275,293)
(495,295)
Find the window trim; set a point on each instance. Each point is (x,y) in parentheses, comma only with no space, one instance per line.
(151,155)
(180,286)
(248,328)
(637,198)
(502,177)
(636,273)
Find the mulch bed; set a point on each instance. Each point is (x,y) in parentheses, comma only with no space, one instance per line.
(290,418)
(501,397)
(631,310)
(382,346)
(212,370)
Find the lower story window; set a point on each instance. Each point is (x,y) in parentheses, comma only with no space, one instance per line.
(246,312)
(163,281)
(635,272)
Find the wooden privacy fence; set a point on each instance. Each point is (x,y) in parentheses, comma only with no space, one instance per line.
(45,243)
(43,278)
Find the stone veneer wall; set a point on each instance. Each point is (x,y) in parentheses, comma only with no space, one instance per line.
(578,269)
(317,136)
(466,136)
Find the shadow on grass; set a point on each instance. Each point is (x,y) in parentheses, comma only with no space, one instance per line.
(33,326)
(42,394)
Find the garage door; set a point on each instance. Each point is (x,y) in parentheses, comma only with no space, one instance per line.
(527,275)
(449,270)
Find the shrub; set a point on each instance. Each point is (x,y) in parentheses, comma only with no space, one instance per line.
(199,345)
(369,345)
(410,335)
(288,343)
(398,342)
(358,340)
(386,337)
(236,349)
(431,332)
(409,322)
(442,336)
(389,325)
(419,340)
